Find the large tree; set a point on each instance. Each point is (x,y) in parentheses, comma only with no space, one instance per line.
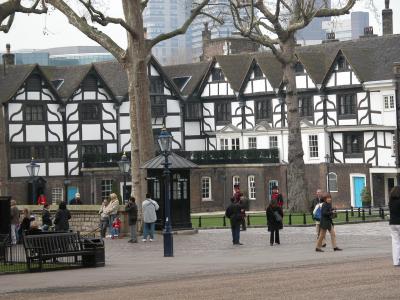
(274,24)
(88,16)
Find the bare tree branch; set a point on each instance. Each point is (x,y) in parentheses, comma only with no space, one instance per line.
(143,4)
(6,28)
(327,12)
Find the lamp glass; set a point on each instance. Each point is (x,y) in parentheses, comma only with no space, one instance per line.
(124,164)
(165,140)
(33,168)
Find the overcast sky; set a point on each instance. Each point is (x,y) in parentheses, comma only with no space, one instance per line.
(47,31)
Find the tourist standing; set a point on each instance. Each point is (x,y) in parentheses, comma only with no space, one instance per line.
(26,222)
(111,210)
(149,208)
(46,218)
(275,221)
(104,218)
(316,205)
(41,199)
(239,198)
(132,210)
(14,213)
(61,220)
(277,196)
(77,200)
(394,222)
(234,214)
(326,224)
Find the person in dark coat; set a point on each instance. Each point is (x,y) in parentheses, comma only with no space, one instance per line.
(34,229)
(277,196)
(132,210)
(77,200)
(46,218)
(25,224)
(62,216)
(233,212)
(394,222)
(274,222)
(326,224)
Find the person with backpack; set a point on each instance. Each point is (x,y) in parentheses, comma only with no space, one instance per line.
(275,221)
(233,213)
(316,205)
(149,208)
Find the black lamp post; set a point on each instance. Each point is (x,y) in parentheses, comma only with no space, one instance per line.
(124,166)
(165,142)
(33,171)
(327,161)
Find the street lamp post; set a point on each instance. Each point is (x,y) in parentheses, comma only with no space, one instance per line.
(165,143)
(33,171)
(124,167)
(327,161)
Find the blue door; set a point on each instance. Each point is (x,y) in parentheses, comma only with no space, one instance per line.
(72,190)
(359,184)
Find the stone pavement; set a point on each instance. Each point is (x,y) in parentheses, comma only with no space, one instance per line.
(209,252)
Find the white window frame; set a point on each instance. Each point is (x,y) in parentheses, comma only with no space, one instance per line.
(235,144)
(394,141)
(272,183)
(313,146)
(252,142)
(273,142)
(251,182)
(224,144)
(388,102)
(235,180)
(57,195)
(106,188)
(206,180)
(329,180)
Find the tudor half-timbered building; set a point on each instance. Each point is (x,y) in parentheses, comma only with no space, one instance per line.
(227,115)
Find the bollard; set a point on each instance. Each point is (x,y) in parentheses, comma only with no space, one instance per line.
(347,216)
(199,221)
(359,212)
(369,211)
(248,220)
(224,221)
(352,212)
(304,219)
(290,219)
(363,215)
(383,213)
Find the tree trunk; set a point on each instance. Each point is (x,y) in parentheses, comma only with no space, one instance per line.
(297,185)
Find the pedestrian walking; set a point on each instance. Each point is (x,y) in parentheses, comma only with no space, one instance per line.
(14,215)
(46,218)
(149,208)
(234,215)
(104,218)
(275,221)
(394,222)
(277,196)
(111,210)
(326,223)
(315,209)
(132,210)
(61,220)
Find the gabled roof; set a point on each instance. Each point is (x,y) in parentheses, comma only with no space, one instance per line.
(271,68)
(13,79)
(316,63)
(235,68)
(114,76)
(176,162)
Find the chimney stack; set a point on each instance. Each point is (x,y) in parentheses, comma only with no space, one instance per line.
(368,32)
(330,37)
(206,34)
(8,57)
(387,19)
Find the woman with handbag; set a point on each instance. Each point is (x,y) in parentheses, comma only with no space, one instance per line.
(326,223)
(274,221)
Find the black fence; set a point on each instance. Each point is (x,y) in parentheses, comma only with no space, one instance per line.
(344,216)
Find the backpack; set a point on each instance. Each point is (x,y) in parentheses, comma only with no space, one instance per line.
(317,213)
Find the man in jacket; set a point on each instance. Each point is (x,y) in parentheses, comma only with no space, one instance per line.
(149,208)
(233,212)
(76,200)
(132,210)
(318,200)
(46,218)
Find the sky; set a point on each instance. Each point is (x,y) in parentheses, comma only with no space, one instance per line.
(53,30)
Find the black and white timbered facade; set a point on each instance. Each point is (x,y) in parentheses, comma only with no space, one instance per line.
(348,102)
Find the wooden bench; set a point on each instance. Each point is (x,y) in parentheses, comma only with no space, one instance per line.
(50,246)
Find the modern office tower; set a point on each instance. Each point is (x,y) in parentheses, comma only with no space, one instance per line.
(346,28)
(162,16)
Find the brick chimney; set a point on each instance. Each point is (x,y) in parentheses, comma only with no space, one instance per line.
(206,33)
(368,32)
(8,57)
(387,19)
(330,37)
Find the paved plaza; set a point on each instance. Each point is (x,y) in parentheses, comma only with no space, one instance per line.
(209,254)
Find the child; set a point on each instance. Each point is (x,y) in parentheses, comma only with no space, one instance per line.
(116,227)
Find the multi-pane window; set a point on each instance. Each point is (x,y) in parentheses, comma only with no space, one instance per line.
(252,187)
(34,113)
(39,152)
(156,85)
(106,188)
(388,102)
(263,109)
(224,144)
(93,149)
(394,145)
(217,75)
(313,145)
(206,188)
(342,64)
(56,195)
(90,83)
(34,83)
(273,142)
(193,111)
(347,104)
(252,143)
(90,111)
(332,181)
(158,108)
(235,144)
(306,107)
(56,151)
(353,143)
(258,72)
(235,181)
(20,152)
(223,112)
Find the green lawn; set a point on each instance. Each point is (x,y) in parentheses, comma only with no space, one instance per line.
(208,221)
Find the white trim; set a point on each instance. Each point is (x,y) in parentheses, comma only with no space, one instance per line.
(249,187)
(352,175)
(209,188)
(384,170)
(369,85)
(327,180)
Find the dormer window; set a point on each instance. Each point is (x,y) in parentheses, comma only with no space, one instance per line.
(342,64)
(299,68)
(217,75)
(258,72)
(34,84)
(90,112)
(90,84)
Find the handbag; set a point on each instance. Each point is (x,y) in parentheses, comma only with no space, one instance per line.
(277,216)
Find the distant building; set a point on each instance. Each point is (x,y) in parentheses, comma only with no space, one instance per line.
(348,28)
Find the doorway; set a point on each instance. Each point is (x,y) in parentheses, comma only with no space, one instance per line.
(357,183)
